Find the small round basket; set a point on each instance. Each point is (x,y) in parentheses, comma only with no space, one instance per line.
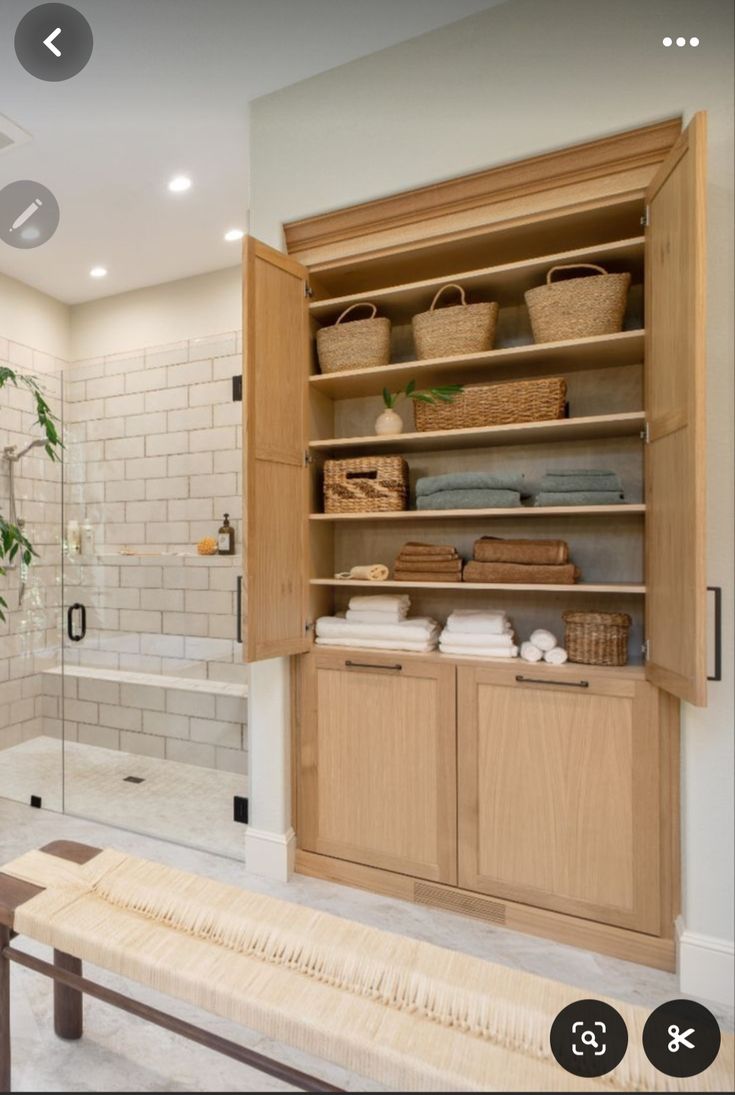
(459,329)
(359,344)
(597,638)
(578,307)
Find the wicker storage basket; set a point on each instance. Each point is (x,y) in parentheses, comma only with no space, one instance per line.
(578,307)
(365,484)
(597,638)
(460,329)
(359,344)
(495,405)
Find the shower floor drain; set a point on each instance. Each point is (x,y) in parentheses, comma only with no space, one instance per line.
(133,779)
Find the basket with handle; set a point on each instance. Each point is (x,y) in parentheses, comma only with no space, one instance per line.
(495,405)
(578,307)
(366,484)
(458,329)
(359,344)
(597,638)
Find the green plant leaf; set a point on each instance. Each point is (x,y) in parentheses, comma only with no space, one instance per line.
(410,387)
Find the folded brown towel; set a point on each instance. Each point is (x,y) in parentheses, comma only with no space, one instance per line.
(492,549)
(423,564)
(417,547)
(565,574)
(427,576)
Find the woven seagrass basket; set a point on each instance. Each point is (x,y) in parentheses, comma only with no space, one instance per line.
(495,405)
(597,638)
(460,329)
(366,484)
(578,307)
(359,344)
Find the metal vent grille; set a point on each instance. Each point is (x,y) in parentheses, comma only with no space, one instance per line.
(11,135)
(480,907)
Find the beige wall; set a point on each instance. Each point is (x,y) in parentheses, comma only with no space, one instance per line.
(32,319)
(523,78)
(191,308)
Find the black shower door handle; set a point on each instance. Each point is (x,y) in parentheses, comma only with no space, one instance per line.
(76,637)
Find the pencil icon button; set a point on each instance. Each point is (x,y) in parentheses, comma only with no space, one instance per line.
(53,42)
(29,214)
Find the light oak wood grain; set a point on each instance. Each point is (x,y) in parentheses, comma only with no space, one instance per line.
(676,614)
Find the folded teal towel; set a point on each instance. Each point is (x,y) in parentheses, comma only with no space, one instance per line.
(581,481)
(589,472)
(579,498)
(467,480)
(469,499)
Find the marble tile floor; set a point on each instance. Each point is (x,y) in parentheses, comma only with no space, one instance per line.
(180,802)
(119,1053)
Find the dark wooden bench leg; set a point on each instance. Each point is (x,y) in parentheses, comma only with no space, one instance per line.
(4,1010)
(68,1002)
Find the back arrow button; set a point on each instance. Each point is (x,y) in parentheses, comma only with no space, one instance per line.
(49,42)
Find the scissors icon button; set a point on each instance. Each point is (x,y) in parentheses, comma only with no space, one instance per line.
(678,1039)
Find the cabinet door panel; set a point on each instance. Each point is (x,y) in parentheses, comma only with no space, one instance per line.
(377,763)
(275,376)
(558,797)
(674,388)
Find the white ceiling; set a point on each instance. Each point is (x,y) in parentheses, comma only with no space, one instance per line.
(166,92)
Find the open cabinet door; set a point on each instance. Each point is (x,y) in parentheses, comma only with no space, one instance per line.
(674,394)
(275,377)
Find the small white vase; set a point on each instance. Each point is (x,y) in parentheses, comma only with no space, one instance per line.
(388,422)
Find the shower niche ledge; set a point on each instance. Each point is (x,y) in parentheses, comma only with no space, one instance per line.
(156,680)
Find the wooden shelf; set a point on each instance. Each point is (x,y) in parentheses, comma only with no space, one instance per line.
(628,509)
(505,284)
(522,433)
(568,671)
(512,587)
(512,362)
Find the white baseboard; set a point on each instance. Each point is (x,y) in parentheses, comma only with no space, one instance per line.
(706,966)
(270,854)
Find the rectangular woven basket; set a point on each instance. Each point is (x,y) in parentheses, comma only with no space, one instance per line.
(597,638)
(366,484)
(495,405)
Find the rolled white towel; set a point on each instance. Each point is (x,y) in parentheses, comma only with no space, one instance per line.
(556,656)
(543,639)
(380,602)
(476,621)
(530,652)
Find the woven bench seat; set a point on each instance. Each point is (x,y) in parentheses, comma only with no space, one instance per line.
(403,1012)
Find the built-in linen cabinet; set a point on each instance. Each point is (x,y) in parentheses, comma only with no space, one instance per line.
(539,775)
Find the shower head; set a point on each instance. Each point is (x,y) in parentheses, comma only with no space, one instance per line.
(11,455)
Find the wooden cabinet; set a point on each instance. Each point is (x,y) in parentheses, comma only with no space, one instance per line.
(559,791)
(377,762)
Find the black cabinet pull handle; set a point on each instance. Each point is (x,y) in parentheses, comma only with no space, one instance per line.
(238,610)
(70,622)
(540,680)
(368,665)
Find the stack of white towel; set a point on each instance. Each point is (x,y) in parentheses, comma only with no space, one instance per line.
(474,633)
(543,646)
(379,623)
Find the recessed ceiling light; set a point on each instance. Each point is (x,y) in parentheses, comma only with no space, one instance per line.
(179,184)
(234,234)
(98,272)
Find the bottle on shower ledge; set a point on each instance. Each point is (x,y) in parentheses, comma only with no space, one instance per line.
(226,538)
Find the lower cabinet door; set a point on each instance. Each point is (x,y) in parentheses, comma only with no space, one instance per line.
(377,762)
(559,792)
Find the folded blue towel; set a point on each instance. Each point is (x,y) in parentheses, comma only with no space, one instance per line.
(581,481)
(467,480)
(579,498)
(469,499)
(582,471)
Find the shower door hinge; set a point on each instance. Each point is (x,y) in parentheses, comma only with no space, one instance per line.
(646,218)
(646,650)
(646,433)
(308,626)
(308,458)
(308,291)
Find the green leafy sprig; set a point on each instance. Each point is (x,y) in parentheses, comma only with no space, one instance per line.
(443,393)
